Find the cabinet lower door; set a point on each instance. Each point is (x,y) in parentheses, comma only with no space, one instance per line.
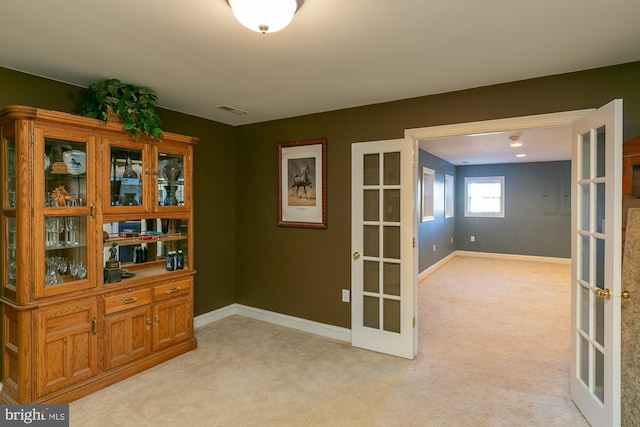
(127,336)
(67,345)
(173,322)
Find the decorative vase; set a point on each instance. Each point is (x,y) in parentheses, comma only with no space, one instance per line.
(172,171)
(128,169)
(130,199)
(171,199)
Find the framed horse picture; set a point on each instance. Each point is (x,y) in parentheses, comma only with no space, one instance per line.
(302,184)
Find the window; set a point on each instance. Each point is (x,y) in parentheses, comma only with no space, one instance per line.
(428,182)
(449,195)
(484,196)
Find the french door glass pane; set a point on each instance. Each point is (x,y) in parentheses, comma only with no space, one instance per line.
(371,279)
(584,361)
(392,205)
(371,243)
(600,207)
(584,309)
(391,279)
(586,207)
(599,319)
(599,376)
(391,242)
(600,151)
(371,312)
(585,260)
(371,169)
(391,315)
(392,168)
(586,156)
(371,205)
(599,263)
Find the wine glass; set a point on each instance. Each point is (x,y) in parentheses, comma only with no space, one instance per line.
(71,224)
(62,265)
(82,270)
(73,268)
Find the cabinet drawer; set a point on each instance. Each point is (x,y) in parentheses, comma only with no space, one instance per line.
(126,300)
(172,289)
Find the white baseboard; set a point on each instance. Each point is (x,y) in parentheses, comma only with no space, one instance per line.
(514,257)
(424,273)
(451,256)
(322,329)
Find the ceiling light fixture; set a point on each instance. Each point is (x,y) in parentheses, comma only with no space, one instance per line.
(265,16)
(515,140)
(521,155)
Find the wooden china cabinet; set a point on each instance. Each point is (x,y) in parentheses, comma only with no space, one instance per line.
(96,253)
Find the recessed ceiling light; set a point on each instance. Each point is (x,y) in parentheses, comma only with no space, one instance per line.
(521,155)
(515,144)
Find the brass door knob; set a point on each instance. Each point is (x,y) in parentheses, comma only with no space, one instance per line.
(603,293)
(356,255)
(625,294)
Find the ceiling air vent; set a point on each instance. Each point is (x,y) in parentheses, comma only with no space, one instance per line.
(233,110)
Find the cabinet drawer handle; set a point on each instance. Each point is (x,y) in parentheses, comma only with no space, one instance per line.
(173,290)
(94,326)
(129,300)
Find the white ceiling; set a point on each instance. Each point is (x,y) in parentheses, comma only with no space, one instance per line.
(538,145)
(335,54)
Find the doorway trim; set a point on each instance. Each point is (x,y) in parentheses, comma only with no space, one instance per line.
(565,118)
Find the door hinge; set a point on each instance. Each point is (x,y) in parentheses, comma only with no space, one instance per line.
(414,322)
(414,242)
(33,138)
(101,147)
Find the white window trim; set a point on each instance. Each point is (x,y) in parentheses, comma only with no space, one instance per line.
(469,180)
(428,196)
(449,196)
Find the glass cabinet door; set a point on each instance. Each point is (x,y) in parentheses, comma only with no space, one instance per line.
(173,179)
(68,223)
(128,170)
(8,213)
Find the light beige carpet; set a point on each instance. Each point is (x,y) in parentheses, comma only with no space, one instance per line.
(494,351)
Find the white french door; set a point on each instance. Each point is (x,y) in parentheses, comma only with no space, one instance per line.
(596,266)
(383,266)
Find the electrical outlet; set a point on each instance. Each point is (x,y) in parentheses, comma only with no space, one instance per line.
(434,247)
(473,238)
(452,240)
(346,295)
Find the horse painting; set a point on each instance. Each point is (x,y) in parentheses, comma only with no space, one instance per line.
(301,180)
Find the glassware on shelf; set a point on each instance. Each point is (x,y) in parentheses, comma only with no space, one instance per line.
(71,225)
(73,268)
(62,264)
(52,276)
(82,270)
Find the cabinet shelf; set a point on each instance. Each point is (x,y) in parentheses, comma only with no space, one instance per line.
(129,241)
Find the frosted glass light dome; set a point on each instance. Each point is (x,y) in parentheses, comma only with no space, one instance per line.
(264,16)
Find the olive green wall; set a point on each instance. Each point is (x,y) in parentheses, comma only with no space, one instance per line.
(300,272)
(214,181)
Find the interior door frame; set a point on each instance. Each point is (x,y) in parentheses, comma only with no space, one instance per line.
(565,118)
